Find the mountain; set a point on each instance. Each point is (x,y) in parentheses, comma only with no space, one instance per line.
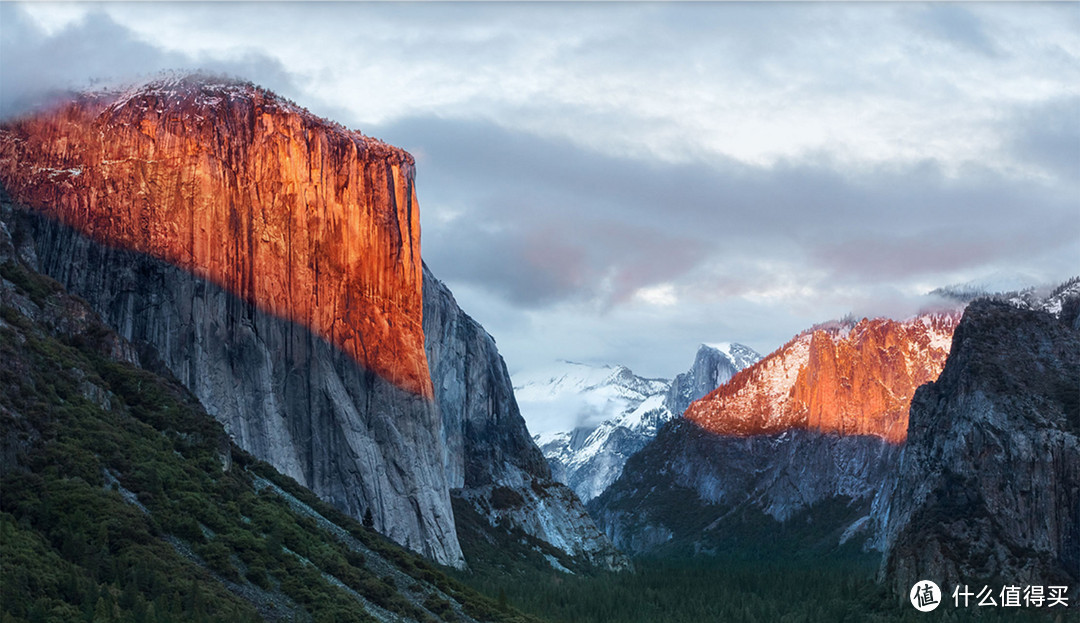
(851,379)
(616,410)
(714,365)
(986,488)
(807,434)
(269,260)
(492,465)
(123,500)
(630,410)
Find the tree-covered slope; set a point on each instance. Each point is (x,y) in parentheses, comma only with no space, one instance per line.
(122,500)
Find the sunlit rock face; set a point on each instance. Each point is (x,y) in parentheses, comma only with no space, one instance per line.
(814,429)
(311,222)
(846,379)
(268,260)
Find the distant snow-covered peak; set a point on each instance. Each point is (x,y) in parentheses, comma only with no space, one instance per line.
(739,355)
(568,395)
(588,420)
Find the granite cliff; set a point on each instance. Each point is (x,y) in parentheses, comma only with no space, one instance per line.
(714,365)
(850,379)
(812,429)
(304,219)
(987,489)
(283,393)
(491,462)
(269,260)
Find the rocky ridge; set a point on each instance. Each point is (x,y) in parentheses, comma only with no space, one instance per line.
(491,463)
(632,409)
(848,378)
(691,488)
(987,489)
(817,424)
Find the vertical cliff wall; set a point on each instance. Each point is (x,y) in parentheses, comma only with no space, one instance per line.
(987,489)
(308,221)
(713,366)
(266,258)
(491,461)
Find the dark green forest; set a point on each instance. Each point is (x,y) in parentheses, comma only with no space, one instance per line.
(717,589)
(121,500)
(758,570)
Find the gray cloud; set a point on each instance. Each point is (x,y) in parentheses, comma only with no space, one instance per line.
(98,50)
(542,221)
(1048,136)
(956,25)
(571,155)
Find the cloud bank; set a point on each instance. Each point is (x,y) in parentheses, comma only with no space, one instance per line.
(616,183)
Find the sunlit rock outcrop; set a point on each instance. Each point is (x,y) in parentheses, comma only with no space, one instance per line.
(309,221)
(838,378)
(267,259)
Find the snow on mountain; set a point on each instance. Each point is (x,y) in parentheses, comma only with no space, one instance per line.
(1020,291)
(1044,298)
(740,356)
(607,413)
(571,395)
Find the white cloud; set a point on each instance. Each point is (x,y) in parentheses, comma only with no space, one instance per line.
(662,295)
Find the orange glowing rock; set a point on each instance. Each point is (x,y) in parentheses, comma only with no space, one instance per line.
(304,218)
(850,380)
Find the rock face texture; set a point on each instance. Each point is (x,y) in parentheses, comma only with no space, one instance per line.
(269,260)
(306,220)
(283,393)
(850,380)
(693,486)
(490,460)
(988,486)
(714,365)
(486,441)
(816,424)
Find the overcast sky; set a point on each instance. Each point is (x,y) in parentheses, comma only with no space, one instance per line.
(621,182)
